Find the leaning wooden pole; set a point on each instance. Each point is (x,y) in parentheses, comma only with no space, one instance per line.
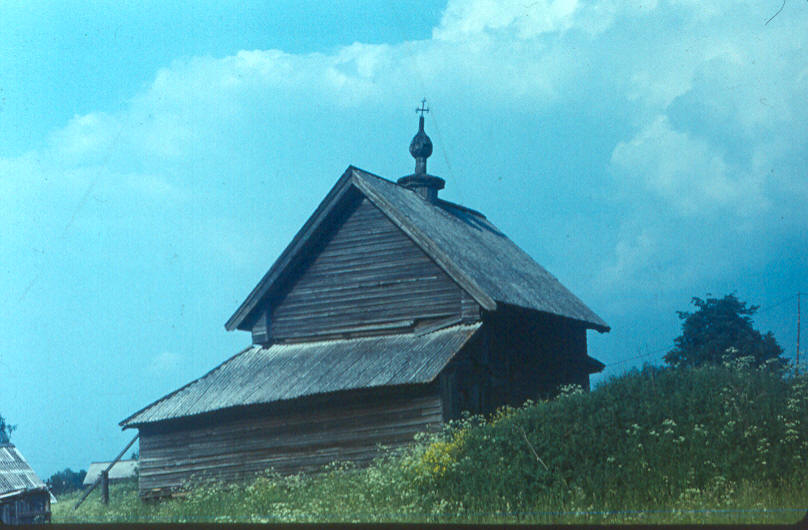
(105,473)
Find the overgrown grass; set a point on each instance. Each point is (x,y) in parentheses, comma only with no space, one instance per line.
(714,444)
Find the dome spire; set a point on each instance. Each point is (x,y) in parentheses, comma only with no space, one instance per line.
(421,148)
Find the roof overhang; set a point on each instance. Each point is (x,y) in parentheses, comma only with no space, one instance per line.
(24,491)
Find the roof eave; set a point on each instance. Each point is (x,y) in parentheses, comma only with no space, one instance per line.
(128,424)
(599,326)
(23,491)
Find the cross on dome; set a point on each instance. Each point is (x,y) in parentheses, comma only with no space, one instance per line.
(423,108)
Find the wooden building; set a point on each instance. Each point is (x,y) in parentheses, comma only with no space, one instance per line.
(24,498)
(390,312)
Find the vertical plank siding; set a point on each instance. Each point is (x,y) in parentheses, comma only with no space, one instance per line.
(300,437)
(519,355)
(367,274)
(27,508)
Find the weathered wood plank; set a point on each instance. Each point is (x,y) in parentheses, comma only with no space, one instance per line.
(291,439)
(365,272)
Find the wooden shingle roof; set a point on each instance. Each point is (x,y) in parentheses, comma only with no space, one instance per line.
(262,375)
(472,251)
(16,476)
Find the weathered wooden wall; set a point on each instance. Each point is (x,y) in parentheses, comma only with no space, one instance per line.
(518,355)
(296,436)
(32,507)
(365,275)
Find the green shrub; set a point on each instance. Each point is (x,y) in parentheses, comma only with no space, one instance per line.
(644,439)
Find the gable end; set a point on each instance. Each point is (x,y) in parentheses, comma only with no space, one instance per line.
(364,276)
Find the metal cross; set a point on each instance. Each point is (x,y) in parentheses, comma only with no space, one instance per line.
(423,108)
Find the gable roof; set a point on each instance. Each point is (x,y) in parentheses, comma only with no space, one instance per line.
(472,251)
(261,375)
(16,476)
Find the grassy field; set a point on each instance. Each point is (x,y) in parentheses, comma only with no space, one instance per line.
(709,445)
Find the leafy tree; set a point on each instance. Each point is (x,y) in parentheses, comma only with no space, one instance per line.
(720,329)
(66,481)
(5,431)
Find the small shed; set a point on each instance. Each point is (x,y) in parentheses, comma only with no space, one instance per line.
(122,470)
(390,312)
(24,498)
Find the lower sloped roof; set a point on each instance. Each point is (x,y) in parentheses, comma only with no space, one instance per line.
(15,473)
(260,375)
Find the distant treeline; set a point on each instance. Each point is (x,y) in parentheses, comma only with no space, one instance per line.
(66,481)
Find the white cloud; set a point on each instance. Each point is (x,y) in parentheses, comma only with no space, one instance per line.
(464,20)
(164,363)
(687,172)
(153,187)
(711,175)
(85,137)
(631,256)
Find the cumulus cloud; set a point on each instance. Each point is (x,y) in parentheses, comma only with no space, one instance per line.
(687,172)
(703,104)
(711,172)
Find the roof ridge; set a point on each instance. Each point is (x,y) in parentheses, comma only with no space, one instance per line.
(440,202)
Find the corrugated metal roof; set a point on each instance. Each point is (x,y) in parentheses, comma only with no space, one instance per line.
(474,252)
(479,249)
(121,469)
(260,375)
(15,473)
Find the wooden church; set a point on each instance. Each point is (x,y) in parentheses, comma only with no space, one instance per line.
(390,312)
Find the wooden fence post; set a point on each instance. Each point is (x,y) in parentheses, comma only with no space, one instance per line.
(105,486)
(105,473)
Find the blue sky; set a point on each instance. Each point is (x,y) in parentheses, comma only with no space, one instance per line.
(155,159)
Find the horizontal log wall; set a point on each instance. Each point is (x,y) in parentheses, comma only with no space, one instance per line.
(367,273)
(288,440)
